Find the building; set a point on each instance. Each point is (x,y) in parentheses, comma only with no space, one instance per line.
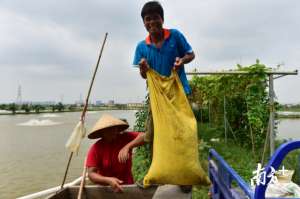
(110,103)
(99,103)
(135,105)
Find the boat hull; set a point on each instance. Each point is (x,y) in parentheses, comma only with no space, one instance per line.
(104,192)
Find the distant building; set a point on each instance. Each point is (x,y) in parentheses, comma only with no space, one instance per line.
(135,105)
(43,103)
(99,103)
(110,103)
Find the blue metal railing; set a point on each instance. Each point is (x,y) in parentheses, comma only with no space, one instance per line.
(222,175)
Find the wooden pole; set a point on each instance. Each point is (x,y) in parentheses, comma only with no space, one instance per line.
(82,180)
(271,101)
(65,175)
(85,106)
(225,127)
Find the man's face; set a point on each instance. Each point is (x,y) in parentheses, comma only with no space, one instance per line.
(153,23)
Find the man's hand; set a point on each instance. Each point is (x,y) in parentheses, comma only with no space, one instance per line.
(144,67)
(115,184)
(187,58)
(123,154)
(178,63)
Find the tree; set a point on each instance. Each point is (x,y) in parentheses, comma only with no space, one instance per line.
(37,108)
(26,108)
(12,107)
(60,107)
(3,106)
(72,107)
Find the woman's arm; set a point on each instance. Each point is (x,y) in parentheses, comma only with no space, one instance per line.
(95,177)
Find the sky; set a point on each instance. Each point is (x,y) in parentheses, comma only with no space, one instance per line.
(50,47)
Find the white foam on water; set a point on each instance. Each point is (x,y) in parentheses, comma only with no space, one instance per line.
(50,115)
(4,111)
(92,112)
(36,122)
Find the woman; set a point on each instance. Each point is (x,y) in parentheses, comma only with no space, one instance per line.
(109,159)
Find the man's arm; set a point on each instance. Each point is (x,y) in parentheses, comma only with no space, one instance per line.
(95,177)
(124,152)
(187,58)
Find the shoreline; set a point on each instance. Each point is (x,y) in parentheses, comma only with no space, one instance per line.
(65,111)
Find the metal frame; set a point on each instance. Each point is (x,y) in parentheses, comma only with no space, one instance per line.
(271,75)
(222,175)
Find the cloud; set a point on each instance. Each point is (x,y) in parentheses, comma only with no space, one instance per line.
(51,47)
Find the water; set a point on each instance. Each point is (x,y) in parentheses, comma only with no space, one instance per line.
(32,152)
(289,129)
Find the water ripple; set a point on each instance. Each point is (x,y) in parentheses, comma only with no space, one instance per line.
(37,122)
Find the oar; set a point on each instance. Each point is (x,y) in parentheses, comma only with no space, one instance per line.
(75,139)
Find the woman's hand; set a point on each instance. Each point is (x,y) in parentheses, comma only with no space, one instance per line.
(123,154)
(115,184)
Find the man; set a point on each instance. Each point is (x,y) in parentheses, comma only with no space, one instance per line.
(163,50)
(109,159)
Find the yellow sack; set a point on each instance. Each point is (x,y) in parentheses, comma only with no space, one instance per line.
(175,144)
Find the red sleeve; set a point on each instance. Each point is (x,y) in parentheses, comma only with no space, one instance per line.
(91,160)
(132,135)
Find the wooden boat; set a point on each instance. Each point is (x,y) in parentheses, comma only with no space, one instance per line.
(130,192)
(101,192)
(92,191)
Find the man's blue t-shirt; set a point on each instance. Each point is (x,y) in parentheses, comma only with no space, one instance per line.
(162,59)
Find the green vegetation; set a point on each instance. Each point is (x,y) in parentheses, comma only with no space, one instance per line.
(59,107)
(142,155)
(292,108)
(243,99)
(32,108)
(12,107)
(282,116)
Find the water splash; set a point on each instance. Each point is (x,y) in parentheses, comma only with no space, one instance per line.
(36,122)
(92,112)
(50,115)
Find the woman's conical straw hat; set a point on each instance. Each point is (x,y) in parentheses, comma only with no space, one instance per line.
(104,124)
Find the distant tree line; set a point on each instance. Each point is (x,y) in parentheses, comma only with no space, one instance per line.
(289,107)
(36,108)
(27,108)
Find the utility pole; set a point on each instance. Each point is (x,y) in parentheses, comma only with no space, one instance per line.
(19,96)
